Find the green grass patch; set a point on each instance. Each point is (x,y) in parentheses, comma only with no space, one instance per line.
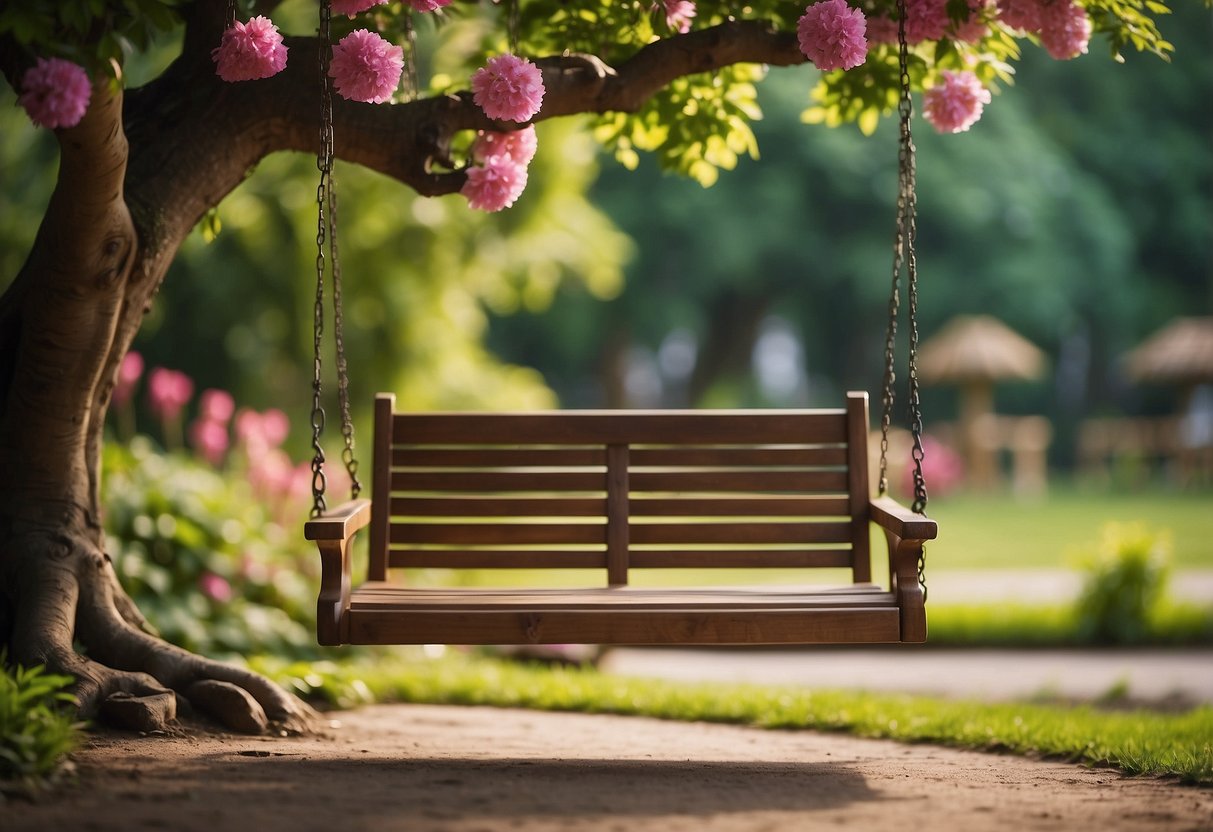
(1138,742)
(37,726)
(1011,624)
(979,531)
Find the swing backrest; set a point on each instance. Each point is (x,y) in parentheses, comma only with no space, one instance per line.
(616,491)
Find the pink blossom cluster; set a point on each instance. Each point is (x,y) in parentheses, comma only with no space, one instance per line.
(250,51)
(168,391)
(942,467)
(216,587)
(929,20)
(208,433)
(508,88)
(679,14)
(366,67)
(955,103)
(831,35)
(1063,25)
(500,175)
(55,93)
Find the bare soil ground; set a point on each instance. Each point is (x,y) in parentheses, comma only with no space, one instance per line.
(410,767)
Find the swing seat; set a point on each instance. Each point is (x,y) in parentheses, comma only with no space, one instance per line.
(617,491)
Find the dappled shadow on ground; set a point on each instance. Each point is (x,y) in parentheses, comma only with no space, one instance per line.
(284,789)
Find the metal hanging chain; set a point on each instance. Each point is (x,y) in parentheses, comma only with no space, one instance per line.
(904,259)
(324,162)
(343,380)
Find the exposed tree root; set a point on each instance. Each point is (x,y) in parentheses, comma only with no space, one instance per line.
(129,678)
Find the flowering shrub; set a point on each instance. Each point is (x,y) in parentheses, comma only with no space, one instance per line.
(55,93)
(208,544)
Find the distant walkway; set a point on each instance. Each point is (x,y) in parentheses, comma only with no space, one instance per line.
(1185,676)
(1154,675)
(1044,585)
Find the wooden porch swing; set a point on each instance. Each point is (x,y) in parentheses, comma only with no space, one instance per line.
(616,491)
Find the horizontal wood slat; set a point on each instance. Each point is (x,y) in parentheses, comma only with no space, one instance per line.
(739,558)
(711,532)
(640,625)
(522,534)
(383,595)
(496,559)
(745,457)
(453,506)
(740,506)
(498,481)
(738,480)
(473,457)
(590,427)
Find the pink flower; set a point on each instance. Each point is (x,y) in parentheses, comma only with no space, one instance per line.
(678,14)
(519,145)
(216,406)
(1065,30)
(1025,15)
(209,439)
(215,587)
(366,67)
(509,87)
(261,432)
(349,8)
(128,376)
(926,20)
(954,105)
(428,5)
(168,392)
(942,467)
(831,35)
(496,185)
(271,474)
(55,93)
(250,51)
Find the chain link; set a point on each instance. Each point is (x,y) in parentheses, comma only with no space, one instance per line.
(343,381)
(326,236)
(324,162)
(904,260)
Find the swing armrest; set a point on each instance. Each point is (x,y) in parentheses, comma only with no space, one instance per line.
(900,521)
(339,523)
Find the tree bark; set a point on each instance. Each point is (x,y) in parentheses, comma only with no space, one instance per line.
(136,175)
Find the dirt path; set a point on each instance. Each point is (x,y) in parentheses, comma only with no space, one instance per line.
(408,767)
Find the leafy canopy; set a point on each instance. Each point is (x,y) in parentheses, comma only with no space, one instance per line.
(698,124)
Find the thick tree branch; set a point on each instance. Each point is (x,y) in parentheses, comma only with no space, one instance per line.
(225,129)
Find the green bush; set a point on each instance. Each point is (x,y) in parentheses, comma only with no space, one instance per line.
(216,567)
(37,725)
(1125,584)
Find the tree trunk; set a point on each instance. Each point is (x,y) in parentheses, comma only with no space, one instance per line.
(67,320)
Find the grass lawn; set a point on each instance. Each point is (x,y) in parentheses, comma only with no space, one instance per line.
(982,531)
(1137,742)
